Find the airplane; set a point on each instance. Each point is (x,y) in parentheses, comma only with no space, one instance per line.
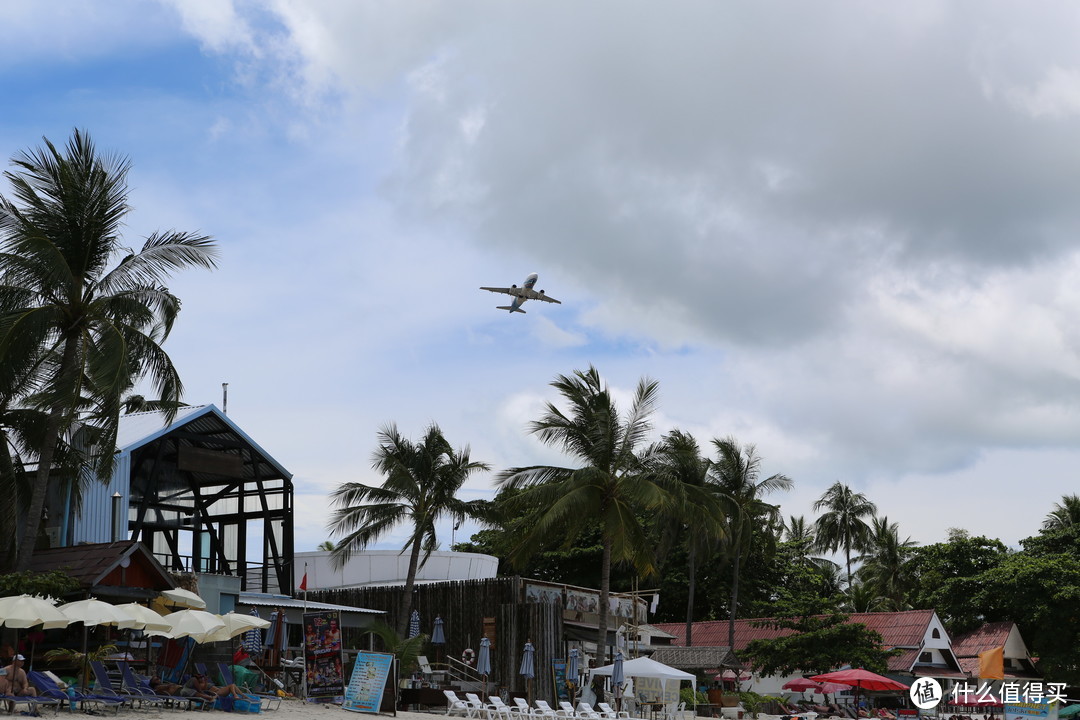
(521,294)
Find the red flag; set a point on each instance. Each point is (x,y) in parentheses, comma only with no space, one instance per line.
(303,583)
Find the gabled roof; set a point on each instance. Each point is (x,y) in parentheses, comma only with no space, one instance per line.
(138,429)
(898,629)
(696,658)
(92,564)
(990,635)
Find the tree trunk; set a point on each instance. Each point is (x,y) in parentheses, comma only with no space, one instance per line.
(691,571)
(406,600)
(605,589)
(8,513)
(847,554)
(45,460)
(734,600)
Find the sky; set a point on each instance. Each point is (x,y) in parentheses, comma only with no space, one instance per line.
(846,233)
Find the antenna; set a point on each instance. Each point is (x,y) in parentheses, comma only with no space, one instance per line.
(225,398)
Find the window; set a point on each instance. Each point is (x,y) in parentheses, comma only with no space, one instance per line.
(926,657)
(935,633)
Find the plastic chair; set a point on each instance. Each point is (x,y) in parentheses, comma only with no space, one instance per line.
(457,706)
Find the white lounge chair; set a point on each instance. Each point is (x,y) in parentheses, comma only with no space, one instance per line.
(607,711)
(545,710)
(479,708)
(585,710)
(501,709)
(521,705)
(457,706)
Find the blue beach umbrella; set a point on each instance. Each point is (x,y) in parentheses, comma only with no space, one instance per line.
(438,637)
(483,661)
(414,624)
(617,679)
(572,660)
(528,668)
(252,642)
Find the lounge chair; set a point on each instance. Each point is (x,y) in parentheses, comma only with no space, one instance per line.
(32,703)
(269,702)
(585,710)
(606,711)
(545,710)
(133,683)
(48,688)
(477,705)
(523,708)
(457,706)
(103,685)
(501,709)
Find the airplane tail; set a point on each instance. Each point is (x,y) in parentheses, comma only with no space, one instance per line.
(511,308)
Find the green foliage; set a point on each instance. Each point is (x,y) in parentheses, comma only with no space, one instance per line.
(692,697)
(54,583)
(819,644)
(753,703)
(407,650)
(946,577)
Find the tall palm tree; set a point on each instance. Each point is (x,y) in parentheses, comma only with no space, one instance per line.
(884,565)
(736,470)
(421,487)
(89,314)
(842,524)
(1065,514)
(697,510)
(326,545)
(612,485)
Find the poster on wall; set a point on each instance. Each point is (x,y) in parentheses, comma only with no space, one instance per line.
(369,675)
(1041,710)
(558,677)
(325,674)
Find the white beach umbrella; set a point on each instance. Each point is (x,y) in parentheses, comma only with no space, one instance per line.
(95,612)
(144,618)
(236,624)
(199,625)
(184,598)
(26,611)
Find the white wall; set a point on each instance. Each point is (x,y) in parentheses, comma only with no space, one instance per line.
(390,567)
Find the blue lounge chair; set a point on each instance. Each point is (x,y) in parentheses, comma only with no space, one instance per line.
(135,684)
(48,688)
(103,685)
(269,702)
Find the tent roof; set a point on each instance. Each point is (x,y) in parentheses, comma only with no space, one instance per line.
(646,667)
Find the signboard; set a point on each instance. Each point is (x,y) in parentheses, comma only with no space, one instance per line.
(368,681)
(322,655)
(558,676)
(1043,709)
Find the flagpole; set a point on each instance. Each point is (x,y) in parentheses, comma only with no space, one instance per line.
(303,636)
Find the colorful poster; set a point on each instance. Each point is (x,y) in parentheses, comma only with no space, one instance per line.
(558,675)
(369,676)
(1043,709)
(322,655)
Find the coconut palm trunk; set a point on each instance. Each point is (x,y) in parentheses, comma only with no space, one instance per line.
(41,479)
(733,611)
(691,566)
(605,593)
(405,610)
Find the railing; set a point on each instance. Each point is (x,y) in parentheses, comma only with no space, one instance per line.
(456,672)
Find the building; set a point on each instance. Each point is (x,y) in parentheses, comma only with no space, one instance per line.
(200,493)
(389,567)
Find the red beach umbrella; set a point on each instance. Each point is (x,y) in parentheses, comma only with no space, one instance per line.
(859,678)
(801,685)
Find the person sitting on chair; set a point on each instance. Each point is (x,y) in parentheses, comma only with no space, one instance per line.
(164,688)
(18,685)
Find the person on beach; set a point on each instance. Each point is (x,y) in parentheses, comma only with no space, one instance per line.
(198,685)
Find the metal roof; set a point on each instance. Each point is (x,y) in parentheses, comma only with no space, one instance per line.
(264,600)
(989,635)
(138,429)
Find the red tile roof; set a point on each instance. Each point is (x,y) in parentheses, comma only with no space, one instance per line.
(990,635)
(898,629)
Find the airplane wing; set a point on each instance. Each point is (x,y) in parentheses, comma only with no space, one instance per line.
(504,291)
(533,295)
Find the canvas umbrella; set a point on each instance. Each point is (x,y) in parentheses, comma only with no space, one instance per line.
(617,680)
(145,620)
(236,624)
(252,642)
(438,636)
(26,611)
(414,624)
(198,625)
(483,661)
(184,598)
(860,678)
(797,685)
(94,612)
(528,668)
(572,661)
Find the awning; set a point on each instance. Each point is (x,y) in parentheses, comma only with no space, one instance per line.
(294,608)
(586,633)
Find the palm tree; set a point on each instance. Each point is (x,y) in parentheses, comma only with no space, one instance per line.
(1065,514)
(863,597)
(88,329)
(326,545)
(421,486)
(842,525)
(885,563)
(697,510)
(736,471)
(613,484)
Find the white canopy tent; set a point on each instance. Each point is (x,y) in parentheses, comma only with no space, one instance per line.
(646,667)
